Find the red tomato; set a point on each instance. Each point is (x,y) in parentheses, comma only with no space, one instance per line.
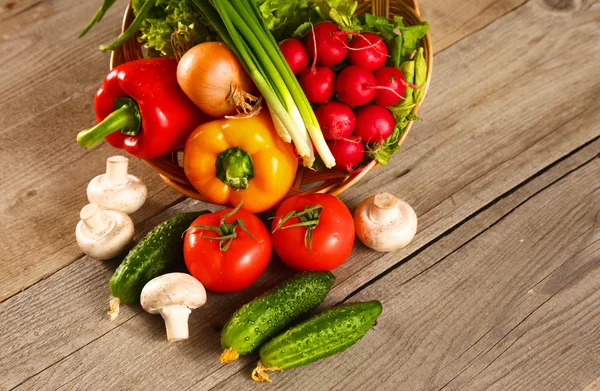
(227,265)
(332,236)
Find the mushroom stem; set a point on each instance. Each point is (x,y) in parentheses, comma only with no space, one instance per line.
(176,321)
(116,170)
(96,220)
(383,210)
(115,305)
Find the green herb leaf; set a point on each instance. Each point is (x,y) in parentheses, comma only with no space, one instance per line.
(420,75)
(339,11)
(302,30)
(383,153)
(172,22)
(284,17)
(411,36)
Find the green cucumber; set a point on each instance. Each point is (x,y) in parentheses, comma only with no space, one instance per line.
(157,253)
(321,336)
(268,314)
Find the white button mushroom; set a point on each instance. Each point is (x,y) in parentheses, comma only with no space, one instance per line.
(173,296)
(103,234)
(385,223)
(117,190)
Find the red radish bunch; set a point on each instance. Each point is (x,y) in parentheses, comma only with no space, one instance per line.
(348,152)
(295,54)
(318,83)
(368,50)
(336,119)
(393,86)
(327,44)
(365,87)
(374,123)
(356,86)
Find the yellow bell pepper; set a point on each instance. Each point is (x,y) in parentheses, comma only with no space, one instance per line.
(231,160)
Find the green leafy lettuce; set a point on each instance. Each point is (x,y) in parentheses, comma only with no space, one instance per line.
(172,27)
(293,18)
(283,17)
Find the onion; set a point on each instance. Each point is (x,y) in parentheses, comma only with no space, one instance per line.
(213,78)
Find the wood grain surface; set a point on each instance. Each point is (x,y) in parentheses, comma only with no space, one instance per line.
(504,311)
(497,291)
(50,100)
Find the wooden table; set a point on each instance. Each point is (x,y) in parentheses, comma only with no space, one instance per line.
(499,290)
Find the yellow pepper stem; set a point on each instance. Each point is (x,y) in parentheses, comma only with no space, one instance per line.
(235,168)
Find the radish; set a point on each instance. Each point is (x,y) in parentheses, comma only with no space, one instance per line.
(318,83)
(336,119)
(327,44)
(391,86)
(295,54)
(355,86)
(374,123)
(368,51)
(348,153)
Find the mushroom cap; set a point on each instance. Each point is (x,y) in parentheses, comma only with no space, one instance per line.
(385,223)
(172,289)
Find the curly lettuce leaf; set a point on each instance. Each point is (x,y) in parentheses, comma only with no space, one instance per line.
(294,18)
(172,21)
(340,12)
(283,17)
(401,40)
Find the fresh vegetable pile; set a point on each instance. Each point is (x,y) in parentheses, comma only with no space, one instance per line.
(227,251)
(340,90)
(251,89)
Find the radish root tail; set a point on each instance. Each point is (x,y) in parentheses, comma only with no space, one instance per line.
(314,63)
(260,373)
(114,305)
(228,355)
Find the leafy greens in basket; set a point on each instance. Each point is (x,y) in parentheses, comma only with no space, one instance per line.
(171,27)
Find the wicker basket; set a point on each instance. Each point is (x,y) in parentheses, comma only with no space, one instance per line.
(332,181)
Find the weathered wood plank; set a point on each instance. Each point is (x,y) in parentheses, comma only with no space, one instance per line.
(515,308)
(479,13)
(141,341)
(447,147)
(44,102)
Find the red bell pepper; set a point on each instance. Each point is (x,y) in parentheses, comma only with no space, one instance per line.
(140,108)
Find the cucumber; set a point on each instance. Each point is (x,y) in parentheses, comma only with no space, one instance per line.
(157,253)
(321,336)
(268,314)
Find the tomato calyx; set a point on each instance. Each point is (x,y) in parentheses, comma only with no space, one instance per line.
(226,231)
(309,218)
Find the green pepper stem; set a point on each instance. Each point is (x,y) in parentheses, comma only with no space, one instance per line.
(235,168)
(125,117)
(133,27)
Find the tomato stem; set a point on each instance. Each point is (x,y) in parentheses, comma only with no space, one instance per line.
(226,231)
(309,218)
